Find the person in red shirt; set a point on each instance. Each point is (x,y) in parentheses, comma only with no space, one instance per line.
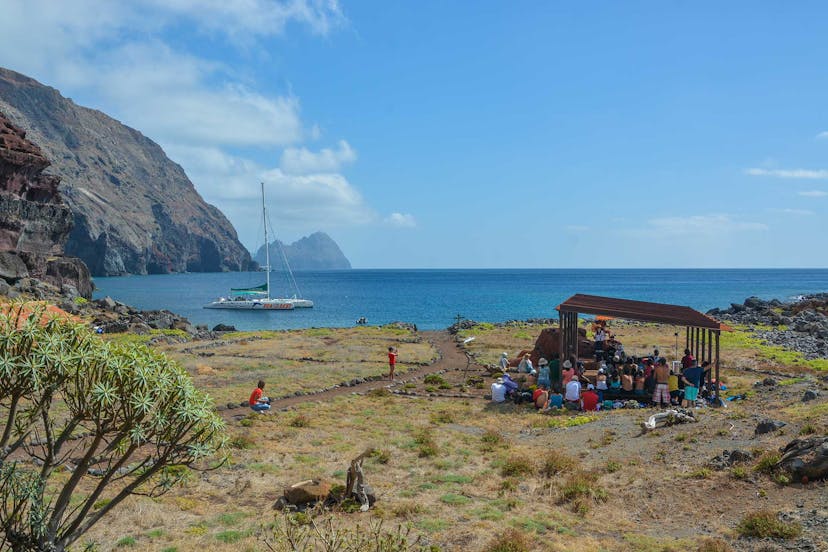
(392,362)
(258,401)
(541,397)
(687,361)
(589,399)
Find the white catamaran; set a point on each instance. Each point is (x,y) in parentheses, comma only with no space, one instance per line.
(258,297)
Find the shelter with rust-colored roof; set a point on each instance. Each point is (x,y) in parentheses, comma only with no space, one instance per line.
(701,336)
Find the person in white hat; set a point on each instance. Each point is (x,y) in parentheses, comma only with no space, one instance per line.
(568,372)
(498,391)
(504,362)
(543,373)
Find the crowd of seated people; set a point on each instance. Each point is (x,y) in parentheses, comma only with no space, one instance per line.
(649,379)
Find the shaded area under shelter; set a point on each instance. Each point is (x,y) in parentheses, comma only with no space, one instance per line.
(701,331)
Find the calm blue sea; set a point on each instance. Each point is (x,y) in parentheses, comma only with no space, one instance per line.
(432,298)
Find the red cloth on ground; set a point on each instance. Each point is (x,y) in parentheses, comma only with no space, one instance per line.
(255,396)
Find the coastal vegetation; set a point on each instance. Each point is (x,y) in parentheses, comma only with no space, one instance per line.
(450,469)
(88,424)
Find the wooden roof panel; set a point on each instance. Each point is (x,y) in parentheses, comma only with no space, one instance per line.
(640,310)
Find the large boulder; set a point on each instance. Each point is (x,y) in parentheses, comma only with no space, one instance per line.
(806,459)
(304,492)
(12,267)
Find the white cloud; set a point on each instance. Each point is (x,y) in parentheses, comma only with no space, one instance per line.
(296,204)
(811,174)
(798,212)
(402,220)
(823,134)
(813,193)
(304,161)
(703,225)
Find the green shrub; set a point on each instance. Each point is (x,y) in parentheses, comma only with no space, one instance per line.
(765,524)
(555,462)
(434,379)
(510,540)
(767,463)
(300,420)
(426,445)
(517,465)
(580,490)
(125,541)
(713,544)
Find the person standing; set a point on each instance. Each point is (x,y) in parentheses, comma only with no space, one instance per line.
(661,395)
(392,362)
(692,378)
(687,361)
(258,402)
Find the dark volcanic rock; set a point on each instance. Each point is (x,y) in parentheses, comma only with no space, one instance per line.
(34,222)
(806,459)
(223,328)
(767,426)
(134,210)
(315,252)
(809,395)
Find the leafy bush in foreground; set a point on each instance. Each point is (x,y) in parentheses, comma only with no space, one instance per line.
(123,419)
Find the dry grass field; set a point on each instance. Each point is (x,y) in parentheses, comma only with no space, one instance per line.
(460,472)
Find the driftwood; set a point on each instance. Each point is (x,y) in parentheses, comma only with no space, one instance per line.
(669,417)
(355,483)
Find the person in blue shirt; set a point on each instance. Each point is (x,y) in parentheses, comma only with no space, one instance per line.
(692,378)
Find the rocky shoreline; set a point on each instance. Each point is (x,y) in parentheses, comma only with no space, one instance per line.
(800,325)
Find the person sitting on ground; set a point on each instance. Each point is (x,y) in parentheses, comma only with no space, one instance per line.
(525,366)
(601,383)
(589,400)
(572,397)
(639,382)
(615,381)
(258,402)
(673,387)
(568,372)
(556,400)
(661,375)
(541,397)
(627,379)
(511,385)
(504,362)
(498,391)
(543,373)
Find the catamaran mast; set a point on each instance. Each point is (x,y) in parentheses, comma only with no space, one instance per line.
(267,245)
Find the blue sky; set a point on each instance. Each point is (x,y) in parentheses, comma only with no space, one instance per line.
(487,134)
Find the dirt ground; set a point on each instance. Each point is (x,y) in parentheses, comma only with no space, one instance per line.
(458,470)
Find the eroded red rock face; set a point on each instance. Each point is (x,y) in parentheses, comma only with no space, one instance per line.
(34,222)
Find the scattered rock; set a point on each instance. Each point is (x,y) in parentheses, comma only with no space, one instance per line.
(767,426)
(809,395)
(769,382)
(304,492)
(806,459)
(223,328)
(729,457)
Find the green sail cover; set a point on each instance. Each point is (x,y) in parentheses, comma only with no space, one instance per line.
(258,289)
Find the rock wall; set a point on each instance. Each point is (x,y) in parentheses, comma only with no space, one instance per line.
(134,210)
(34,222)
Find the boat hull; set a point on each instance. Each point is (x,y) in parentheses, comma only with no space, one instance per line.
(264,304)
(297,303)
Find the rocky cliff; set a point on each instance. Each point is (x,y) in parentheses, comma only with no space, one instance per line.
(34,222)
(134,210)
(315,252)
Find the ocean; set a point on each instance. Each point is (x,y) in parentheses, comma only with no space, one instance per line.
(432,299)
